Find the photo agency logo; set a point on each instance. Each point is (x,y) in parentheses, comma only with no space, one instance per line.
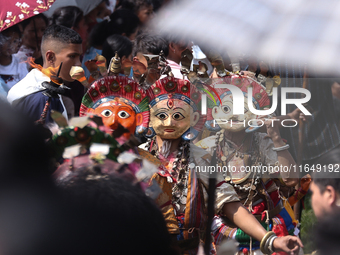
(240,104)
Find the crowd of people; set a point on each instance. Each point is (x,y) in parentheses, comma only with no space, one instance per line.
(105,146)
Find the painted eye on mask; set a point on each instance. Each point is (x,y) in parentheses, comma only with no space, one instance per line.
(123,115)
(178,116)
(162,116)
(106,113)
(226,109)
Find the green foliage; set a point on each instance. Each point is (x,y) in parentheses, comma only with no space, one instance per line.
(308,221)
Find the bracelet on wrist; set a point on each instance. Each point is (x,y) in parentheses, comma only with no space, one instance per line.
(282,148)
(266,241)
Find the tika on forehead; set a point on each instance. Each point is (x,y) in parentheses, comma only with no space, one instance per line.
(174,111)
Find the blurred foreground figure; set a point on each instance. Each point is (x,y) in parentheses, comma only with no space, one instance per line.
(131,219)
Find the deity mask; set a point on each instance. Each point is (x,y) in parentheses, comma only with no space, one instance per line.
(220,116)
(174,110)
(119,101)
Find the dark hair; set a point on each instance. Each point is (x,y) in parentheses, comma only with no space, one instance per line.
(98,34)
(150,44)
(124,207)
(62,34)
(25,22)
(123,22)
(327,234)
(68,16)
(327,175)
(135,5)
(118,43)
(4,35)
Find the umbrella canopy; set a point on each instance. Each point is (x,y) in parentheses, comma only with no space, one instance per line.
(85,5)
(304,30)
(13,12)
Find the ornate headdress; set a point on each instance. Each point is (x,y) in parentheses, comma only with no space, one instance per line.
(259,95)
(122,88)
(172,88)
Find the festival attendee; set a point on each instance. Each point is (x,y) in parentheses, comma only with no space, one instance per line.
(32,30)
(146,43)
(142,8)
(11,69)
(321,132)
(174,121)
(122,22)
(126,211)
(59,45)
(326,235)
(121,45)
(176,47)
(71,17)
(325,186)
(97,15)
(238,147)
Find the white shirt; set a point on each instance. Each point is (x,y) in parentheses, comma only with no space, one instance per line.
(29,85)
(15,71)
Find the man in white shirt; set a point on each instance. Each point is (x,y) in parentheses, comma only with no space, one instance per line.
(59,45)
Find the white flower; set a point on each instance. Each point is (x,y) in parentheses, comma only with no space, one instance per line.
(7,21)
(21,16)
(9,14)
(36,12)
(24,5)
(18,4)
(39,1)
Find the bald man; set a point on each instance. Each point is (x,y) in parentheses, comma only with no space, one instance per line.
(59,44)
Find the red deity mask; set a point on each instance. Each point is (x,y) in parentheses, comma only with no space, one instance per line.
(119,101)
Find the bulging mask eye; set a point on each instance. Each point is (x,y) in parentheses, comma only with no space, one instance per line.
(225,108)
(106,113)
(162,116)
(123,115)
(178,116)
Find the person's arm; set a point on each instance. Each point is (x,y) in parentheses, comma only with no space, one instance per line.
(243,219)
(290,178)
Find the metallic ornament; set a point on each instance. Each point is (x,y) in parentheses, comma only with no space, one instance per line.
(224,158)
(170,86)
(183,200)
(94,93)
(195,96)
(102,89)
(138,95)
(115,65)
(114,86)
(128,88)
(258,96)
(156,91)
(177,207)
(169,179)
(227,178)
(185,89)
